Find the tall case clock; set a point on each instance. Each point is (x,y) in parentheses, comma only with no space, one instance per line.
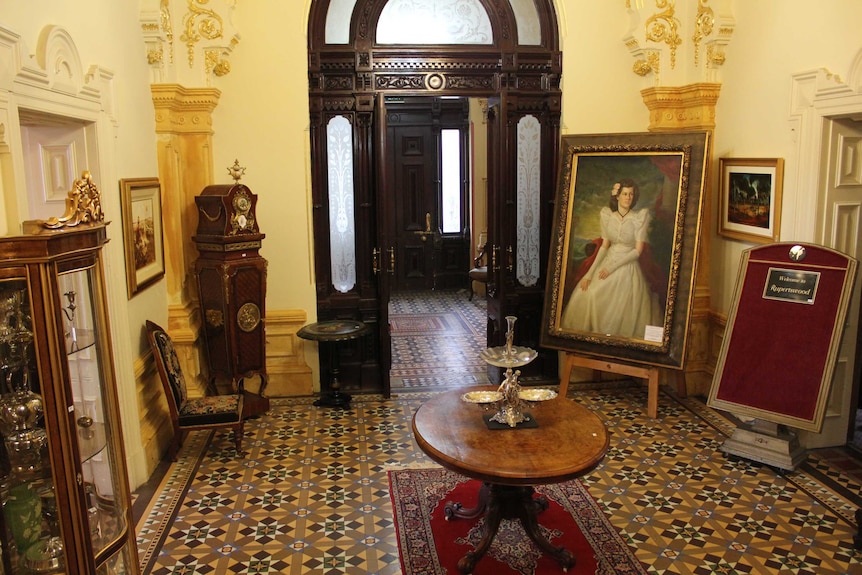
(231,277)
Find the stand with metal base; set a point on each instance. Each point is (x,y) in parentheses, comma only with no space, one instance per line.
(333,332)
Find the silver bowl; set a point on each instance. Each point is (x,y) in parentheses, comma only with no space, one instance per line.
(520,356)
(533,394)
(482,396)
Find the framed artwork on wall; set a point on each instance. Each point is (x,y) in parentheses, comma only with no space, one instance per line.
(750,198)
(624,244)
(142,232)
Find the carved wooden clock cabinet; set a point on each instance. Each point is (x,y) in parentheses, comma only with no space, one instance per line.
(231,277)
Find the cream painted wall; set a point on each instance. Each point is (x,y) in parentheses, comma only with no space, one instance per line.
(600,94)
(773,39)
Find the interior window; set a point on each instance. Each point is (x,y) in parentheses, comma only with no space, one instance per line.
(450,176)
(434,22)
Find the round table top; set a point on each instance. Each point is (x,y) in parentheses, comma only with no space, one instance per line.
(333,330)
(568,441)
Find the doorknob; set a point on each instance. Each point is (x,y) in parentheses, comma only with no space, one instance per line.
(391,260)
(427,232)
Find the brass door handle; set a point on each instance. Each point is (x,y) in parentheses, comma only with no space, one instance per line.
(427,232)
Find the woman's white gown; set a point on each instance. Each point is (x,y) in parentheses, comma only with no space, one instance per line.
(622,304)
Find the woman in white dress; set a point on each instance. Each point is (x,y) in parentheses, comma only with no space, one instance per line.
(614,297)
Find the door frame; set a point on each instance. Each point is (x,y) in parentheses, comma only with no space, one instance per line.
(818,98)
(351,81)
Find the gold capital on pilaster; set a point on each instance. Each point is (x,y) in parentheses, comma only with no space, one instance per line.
(690,107)
(184,110)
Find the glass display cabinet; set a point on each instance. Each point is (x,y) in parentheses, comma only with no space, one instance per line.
(63,480)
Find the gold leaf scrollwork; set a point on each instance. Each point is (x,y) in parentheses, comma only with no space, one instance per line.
(83,205)
(214,64)
(641,68)
(200,23)
(664,27)
(703,25)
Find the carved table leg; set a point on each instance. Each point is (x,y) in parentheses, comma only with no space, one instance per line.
(456,510)
(507,502)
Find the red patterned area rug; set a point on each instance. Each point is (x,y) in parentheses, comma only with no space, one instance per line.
(429,544)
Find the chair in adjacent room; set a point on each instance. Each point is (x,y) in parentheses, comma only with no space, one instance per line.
(187,414)
(479,273)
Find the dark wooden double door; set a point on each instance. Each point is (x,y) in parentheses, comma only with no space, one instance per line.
(426,256)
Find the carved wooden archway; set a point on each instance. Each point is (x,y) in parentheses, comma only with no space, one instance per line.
(351,81)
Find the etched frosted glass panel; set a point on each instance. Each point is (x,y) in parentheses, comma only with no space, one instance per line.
(338,21)
(342,232)
(434,22)
(529,172)
(451,180)
(529,31)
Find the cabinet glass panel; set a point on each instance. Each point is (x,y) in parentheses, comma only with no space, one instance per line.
(87,376)
(30,538)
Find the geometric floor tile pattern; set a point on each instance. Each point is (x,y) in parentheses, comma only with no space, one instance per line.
(310,493)
(437,339)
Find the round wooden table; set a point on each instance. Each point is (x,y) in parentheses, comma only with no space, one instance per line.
(568,441)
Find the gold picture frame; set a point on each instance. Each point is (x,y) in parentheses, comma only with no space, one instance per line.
(750,205)
(142,232)
(641,317)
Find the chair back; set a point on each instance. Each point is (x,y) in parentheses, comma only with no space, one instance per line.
(169,368)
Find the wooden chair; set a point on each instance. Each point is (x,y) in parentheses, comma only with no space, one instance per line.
(479,273)
(187,413)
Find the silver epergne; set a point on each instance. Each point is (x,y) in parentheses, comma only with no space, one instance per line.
(509,396)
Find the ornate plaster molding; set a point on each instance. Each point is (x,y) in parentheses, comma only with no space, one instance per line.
(202,28)
(700,33)
(689,107)
(184,110)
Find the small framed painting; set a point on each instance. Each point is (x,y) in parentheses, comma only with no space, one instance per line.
(142,232)
(750,190)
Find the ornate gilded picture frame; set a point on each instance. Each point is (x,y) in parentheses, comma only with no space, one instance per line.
(142,232)
(623,251)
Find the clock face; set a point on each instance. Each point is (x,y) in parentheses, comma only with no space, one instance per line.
(242,203)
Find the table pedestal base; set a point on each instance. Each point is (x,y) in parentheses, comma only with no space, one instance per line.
(334,399)
(500,502)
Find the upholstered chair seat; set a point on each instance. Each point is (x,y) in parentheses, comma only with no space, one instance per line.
(187,413)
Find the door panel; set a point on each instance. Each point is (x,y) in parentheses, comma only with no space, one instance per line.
(414,168)
(425,258)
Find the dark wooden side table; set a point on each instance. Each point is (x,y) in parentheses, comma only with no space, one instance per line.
(332,333)
(567,442)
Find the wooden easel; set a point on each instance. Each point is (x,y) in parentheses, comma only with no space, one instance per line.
(648,372)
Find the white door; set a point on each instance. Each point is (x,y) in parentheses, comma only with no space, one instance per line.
(841,229)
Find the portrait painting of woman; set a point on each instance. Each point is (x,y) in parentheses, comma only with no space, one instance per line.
(612,295)
(624,244)
(619,253)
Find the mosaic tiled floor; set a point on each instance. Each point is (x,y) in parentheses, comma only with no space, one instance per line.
(436,340)
(310,494)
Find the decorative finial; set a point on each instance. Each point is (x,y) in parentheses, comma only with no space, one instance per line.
(236,171)
(83,205)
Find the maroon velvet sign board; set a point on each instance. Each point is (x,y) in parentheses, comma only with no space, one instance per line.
(784,330)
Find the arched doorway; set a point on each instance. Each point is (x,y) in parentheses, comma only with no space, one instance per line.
(503,50)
